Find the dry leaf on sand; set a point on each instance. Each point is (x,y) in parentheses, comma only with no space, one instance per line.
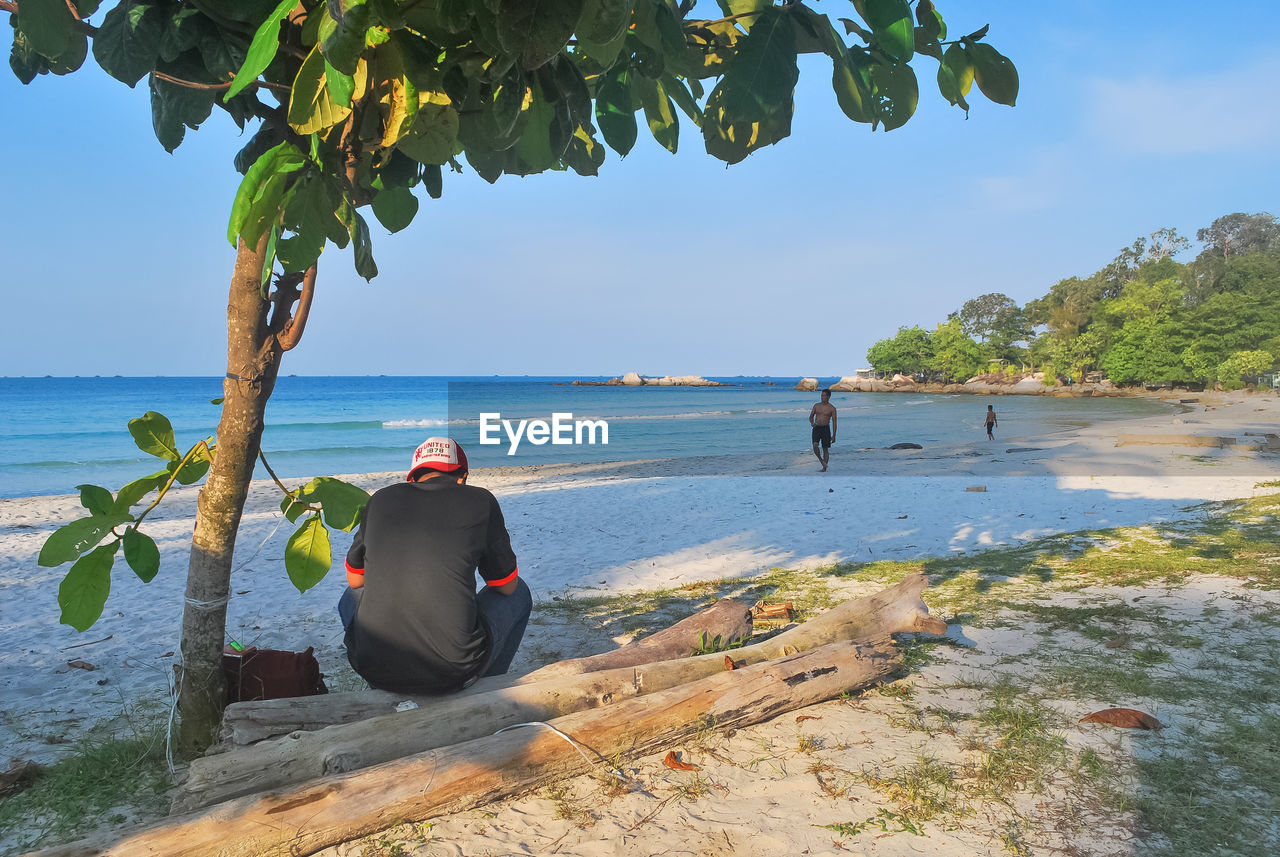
(1125,718)
(673,762)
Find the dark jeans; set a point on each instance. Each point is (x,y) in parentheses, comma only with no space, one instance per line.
(504,616)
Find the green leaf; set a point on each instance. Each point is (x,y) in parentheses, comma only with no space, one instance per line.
(25,62)
(752,105)
(70,540)
(217,401)
(311,105)
(712,45)
(534,31)
(433,180)
(930,21)
(363,248)
(537,148)
(762,75)
(342,47)
(306,555)
(616,109)
(341,86)
(47,24)
(128,496)
(743,7)
(195,468)
(395,208)
(896,93)
(605,53)
(96,499)
(995,73)
(341,501)
(683,98)
(310,212)
(958,71)
(83,592)
(127,43)
(890,22)
(175,108)
(141,553)
(261,191)
(585,154)
(433,138)
(852,84)
(153,433)
(293,509)
(658,111)
(262,50)
(603,21)
(731,137)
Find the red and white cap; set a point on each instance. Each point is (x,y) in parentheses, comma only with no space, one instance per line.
(438,453)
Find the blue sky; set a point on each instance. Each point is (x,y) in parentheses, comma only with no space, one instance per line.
(1131,117)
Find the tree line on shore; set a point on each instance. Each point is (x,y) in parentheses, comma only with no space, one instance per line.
(1144,318)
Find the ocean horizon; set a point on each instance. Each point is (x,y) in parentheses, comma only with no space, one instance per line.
(60,432)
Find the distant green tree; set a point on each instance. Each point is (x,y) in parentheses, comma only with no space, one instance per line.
(909,351)
(1245,367)
(956,356)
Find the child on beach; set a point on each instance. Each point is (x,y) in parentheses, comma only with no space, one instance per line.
(992,422)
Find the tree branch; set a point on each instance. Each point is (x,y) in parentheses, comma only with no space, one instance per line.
(294,327)
(9,6)
(191,84)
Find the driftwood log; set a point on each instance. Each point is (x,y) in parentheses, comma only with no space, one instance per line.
(247,722)
(301,756)
(324,812)
(896,609)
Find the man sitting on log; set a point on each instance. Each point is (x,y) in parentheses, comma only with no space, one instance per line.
(414,621)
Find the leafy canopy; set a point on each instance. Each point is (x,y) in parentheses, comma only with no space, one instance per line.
(365,102)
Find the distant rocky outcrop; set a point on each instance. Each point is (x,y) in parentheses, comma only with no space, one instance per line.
(807,385)
(635,379)
(858,384)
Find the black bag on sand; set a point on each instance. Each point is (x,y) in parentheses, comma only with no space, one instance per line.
(270,674)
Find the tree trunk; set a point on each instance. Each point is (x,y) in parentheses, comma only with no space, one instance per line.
(898,609)
(253,359)
(327,811)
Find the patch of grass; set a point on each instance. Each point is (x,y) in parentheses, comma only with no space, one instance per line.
(109,782)
(1216,796)
(1026,746)
(897,690)
(884,820)
(566,807)
(693,786)
(921,791)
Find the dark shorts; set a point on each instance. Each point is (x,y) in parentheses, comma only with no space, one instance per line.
(822,434)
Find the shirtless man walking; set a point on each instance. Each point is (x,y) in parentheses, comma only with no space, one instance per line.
(823,419)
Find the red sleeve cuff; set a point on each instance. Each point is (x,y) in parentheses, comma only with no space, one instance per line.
(504,581)
(351,569)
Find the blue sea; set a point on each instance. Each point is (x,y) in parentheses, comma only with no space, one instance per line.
(56,433)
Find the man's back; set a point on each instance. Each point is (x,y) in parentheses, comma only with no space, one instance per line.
(420,544)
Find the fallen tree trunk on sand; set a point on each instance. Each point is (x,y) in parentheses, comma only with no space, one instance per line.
(896,609)
(448,720)
(337,809)
(246,722)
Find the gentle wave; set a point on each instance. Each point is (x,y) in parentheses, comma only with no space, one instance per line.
(89,462)
(341,425)
(394,424)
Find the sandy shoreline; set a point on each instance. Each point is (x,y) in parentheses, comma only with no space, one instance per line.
(609,528)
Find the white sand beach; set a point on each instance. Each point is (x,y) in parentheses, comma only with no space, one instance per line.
(612,528)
